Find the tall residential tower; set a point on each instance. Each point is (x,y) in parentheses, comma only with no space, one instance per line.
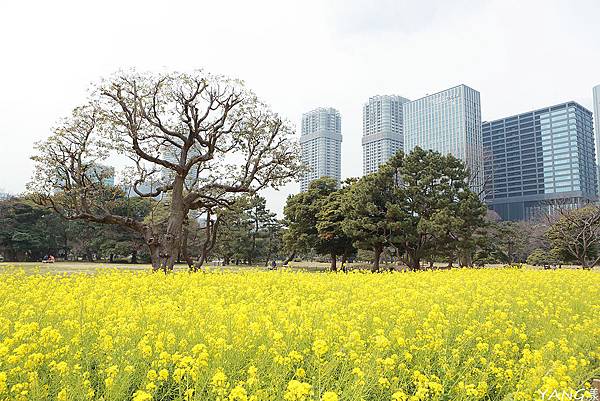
(382,130)
(448,122)
(321,143)
(537,160)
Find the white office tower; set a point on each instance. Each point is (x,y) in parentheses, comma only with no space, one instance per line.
(321,143)
(597,129)
(448,122)
(382,130)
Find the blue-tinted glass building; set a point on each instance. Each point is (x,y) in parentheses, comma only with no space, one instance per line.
(533,160)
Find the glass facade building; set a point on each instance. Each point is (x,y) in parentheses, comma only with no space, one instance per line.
(448,122)
(321,145)
(535,159)
(382,130)
(596,97)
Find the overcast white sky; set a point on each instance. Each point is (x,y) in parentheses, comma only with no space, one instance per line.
(296,55)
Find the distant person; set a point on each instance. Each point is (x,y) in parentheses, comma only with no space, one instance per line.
(51,259)
(273,265)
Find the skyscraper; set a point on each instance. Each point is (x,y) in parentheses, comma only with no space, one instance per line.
(536,159)
(596,91)
(382,130)
(321,143)
(448,122)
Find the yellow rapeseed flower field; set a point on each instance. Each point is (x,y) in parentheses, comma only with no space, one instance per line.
(448,335)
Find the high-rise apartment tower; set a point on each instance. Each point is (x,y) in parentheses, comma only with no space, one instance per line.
(382,130)
(321,144)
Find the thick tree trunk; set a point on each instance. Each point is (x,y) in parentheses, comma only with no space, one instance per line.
(134,258)
(155,257)
(466,260)
(184,250)
(170,242)
(414,262)
(377,251)
(333,266)
(153,243)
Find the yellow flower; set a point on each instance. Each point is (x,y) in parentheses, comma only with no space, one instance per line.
(238,393)
(219,379)
(141,395)
(399,396)
(62,395)
(513,333)
(62,368)
(329,396)
(3,379)
(384,382)
(188,394)
(178,374)
(152,375)
(297,391)
(320,348)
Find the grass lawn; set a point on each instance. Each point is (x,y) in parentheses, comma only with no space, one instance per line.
(92,267)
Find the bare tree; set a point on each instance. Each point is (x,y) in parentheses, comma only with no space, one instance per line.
(576,234)
(194,139)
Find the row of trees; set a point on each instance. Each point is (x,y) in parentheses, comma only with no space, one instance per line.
(417,207)
(29,232)
(248,233)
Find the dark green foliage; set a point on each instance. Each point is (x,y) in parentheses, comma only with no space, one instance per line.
(300,216)
(332,239)
(372,212)
(440,214)
(248,232)
(29,232)
(420,205)
(542,257)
